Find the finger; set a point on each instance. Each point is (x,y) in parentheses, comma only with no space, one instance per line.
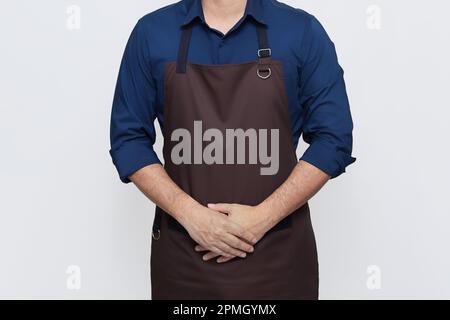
(223,259)
(240,232)
(200,248)
(230,251)
(215,249)
(211,255)
(218,250)
(237,243)
(222,207)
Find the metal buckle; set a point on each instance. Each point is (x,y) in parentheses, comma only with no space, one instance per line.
(262,55)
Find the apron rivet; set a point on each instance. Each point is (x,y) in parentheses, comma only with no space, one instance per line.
(156,234)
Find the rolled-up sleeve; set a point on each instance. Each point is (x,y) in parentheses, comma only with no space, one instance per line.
(132,130)
(328,123)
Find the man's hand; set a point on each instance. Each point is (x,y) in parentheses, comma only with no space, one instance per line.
(215,231)
(251,218)
(218,233)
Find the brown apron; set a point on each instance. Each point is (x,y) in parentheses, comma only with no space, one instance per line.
(235,96)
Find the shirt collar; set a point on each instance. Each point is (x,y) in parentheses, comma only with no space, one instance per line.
(194,11)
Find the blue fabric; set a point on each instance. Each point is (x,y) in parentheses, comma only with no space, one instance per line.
(318,103)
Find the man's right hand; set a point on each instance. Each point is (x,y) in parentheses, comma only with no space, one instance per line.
(211,229)
(216,232)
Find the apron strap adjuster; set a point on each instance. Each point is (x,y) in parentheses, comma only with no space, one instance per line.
(264,53)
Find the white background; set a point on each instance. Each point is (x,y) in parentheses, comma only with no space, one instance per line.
(62,204)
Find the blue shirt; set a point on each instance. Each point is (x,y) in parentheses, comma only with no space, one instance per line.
(318,103)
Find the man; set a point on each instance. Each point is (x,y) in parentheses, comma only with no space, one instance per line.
(233,84)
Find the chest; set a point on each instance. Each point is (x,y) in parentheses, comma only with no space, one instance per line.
(239,46)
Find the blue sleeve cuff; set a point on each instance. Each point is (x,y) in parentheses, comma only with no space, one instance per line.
(132,156)
(327,158)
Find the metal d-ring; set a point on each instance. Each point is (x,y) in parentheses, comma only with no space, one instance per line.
(268,70)
(156,235)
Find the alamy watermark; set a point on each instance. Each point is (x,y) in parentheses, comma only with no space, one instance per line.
(374,277)
(251,145)
(373,21)
(73,21)
(73,281)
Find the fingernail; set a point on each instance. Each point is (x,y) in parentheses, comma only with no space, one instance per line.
(243,255)
(252,249)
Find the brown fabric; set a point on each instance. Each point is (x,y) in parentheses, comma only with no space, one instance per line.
(284,264)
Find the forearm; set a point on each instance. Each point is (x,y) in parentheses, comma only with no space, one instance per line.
(302,184)
(156,184)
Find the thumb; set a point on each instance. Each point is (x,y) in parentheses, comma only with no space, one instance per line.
(222,207)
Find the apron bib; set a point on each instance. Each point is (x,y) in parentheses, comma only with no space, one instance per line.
(228,139)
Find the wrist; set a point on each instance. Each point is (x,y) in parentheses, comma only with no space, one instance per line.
(268,215)
(183,206)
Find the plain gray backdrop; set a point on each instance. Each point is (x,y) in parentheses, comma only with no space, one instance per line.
(70,229)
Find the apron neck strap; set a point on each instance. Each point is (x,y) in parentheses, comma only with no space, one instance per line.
(184,48)
(264,51)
